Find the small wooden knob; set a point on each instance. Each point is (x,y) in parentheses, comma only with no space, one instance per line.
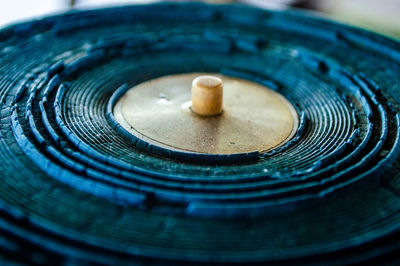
(207,95)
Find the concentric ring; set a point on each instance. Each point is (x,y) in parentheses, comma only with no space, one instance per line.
(77,187)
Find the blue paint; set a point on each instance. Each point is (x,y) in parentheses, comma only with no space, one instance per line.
(327,193)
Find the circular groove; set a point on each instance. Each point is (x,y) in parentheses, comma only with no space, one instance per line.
(329,193)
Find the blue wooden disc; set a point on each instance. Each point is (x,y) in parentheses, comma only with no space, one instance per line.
(75,189)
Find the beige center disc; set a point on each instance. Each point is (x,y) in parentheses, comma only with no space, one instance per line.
(254,118)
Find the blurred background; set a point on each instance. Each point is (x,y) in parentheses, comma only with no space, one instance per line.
(382,16)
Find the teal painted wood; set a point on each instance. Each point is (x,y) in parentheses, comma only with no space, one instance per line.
(77,188)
